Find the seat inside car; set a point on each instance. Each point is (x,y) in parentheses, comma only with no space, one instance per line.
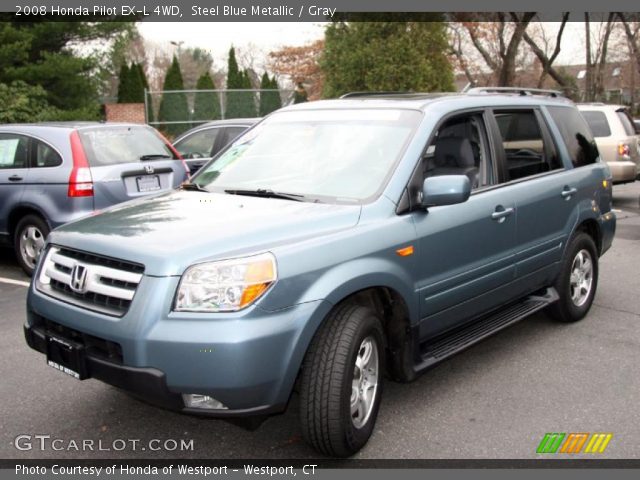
(454,156)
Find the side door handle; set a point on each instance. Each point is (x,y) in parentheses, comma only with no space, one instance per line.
(501,213)
(568,192)
(15,178)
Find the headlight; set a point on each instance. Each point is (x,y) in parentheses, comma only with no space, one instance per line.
(227,285)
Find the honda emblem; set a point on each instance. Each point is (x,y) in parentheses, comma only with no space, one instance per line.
(79,278)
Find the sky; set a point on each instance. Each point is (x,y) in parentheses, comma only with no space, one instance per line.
(217,37)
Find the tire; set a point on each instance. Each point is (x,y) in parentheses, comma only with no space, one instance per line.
(578,279)
(28,241)
(330,381)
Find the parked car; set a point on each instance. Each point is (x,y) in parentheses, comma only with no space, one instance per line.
(335,243)
(198,145)
(52,173)
(616,137)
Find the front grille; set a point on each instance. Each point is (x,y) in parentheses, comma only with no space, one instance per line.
(94,282)
(96,346)
(85,257)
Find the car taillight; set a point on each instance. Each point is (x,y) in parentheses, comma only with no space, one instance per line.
(80,180)
(623,150)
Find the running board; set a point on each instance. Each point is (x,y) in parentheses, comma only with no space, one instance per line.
(449,344)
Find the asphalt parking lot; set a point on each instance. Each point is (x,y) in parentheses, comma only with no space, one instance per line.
(495,400)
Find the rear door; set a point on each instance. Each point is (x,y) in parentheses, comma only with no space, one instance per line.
(128,162)
(545,193)
(14,169)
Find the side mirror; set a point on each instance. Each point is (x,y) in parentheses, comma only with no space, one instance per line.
(445,190)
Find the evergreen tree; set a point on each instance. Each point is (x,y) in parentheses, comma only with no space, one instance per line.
(173,105)
(136,85)
(40,53)
(145,86)
(123,84)
(237,102)
(270,99)
(206,104)
(386,56)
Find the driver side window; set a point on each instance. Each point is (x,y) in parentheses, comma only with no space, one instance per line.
(460,147)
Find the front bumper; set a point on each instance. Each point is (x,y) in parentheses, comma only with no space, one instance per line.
(247,360)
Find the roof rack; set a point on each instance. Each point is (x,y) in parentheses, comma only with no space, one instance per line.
(370,94)
(516,90)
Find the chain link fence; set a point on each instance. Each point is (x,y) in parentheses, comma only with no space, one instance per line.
(176,111)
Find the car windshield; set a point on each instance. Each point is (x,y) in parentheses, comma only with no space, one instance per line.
(327,155)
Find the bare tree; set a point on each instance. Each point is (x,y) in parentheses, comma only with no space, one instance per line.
(546,59)
(631,24)
(596,56)
(498,41)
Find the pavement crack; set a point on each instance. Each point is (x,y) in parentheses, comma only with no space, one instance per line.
(617,309)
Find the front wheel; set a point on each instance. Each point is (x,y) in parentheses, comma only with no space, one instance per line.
(341,381)
(30,235)
(578,279)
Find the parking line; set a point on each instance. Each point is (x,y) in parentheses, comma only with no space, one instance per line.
(11,281)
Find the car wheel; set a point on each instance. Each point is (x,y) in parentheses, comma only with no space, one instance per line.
(29,238)
(341,381)
(578,279)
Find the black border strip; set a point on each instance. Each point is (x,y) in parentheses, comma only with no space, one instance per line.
(324,463)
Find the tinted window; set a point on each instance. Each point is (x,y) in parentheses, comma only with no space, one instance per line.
(576,135)
(13,151)
(46,156)
(198,145)
(116,145)
(597,122)
(627,122)
(526,152)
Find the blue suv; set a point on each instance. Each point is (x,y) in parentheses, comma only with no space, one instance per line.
(331,245)
(52,173)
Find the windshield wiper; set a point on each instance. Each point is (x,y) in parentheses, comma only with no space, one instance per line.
(154,156)
(193,187)
(267,193)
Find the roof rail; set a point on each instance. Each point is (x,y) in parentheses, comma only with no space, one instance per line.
(517,90)
(370,94)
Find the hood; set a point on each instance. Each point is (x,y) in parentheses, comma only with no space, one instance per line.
(167,233)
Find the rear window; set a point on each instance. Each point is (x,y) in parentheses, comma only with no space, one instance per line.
(128,144)
(576,135)
(597,122)
(627,121)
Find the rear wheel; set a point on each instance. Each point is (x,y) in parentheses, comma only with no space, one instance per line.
(30,235)
(341,381)
(578,279)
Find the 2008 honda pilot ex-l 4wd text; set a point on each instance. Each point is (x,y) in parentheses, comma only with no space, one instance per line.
(334,243)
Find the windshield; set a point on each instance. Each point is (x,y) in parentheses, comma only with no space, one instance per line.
(111,145)
(329,155)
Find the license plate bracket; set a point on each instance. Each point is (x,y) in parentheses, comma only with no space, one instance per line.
(148,183)
(66,356)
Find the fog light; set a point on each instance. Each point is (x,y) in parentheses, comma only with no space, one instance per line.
(195,400)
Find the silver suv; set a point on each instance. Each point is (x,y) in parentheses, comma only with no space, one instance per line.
(616,137)
(53,173)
